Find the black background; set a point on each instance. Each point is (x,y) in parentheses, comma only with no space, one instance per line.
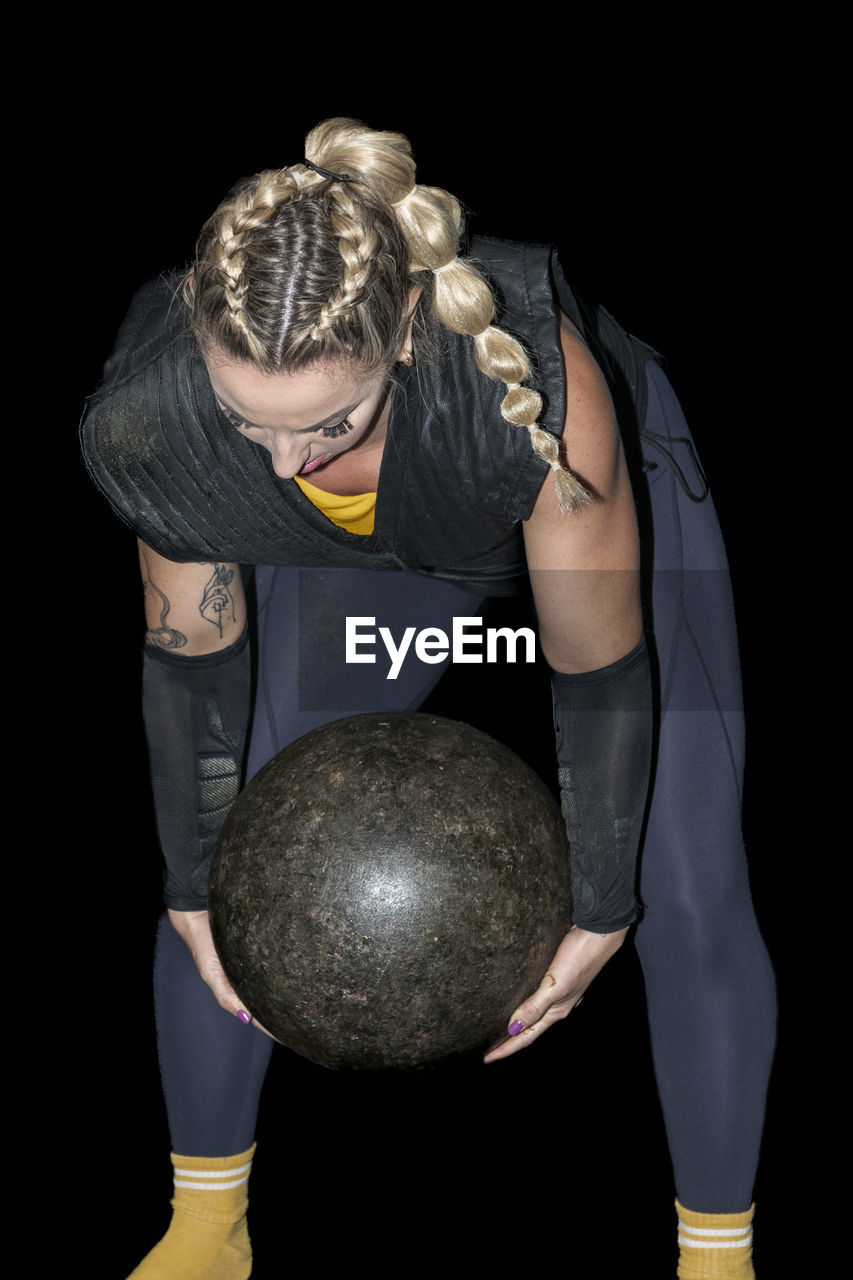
(665,197)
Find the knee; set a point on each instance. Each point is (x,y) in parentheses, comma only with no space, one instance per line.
(701,943)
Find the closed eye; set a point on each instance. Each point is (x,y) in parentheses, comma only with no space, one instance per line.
(329,433)
(233,418)
(339,429)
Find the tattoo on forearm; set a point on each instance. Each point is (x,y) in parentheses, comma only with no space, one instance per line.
(164,637)
(217,603)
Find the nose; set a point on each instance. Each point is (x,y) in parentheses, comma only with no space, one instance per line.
(288,456)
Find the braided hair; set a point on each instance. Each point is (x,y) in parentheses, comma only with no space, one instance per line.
(316,262)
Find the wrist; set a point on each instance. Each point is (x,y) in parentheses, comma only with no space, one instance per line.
(596,941)
(187,921)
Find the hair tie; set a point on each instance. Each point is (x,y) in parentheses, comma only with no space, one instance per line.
(326,173)
(452,261)
(395,203)
(483,334)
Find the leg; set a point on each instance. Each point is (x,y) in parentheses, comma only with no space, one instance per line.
(708,978)
(212,1066)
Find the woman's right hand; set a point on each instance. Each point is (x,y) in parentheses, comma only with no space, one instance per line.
(194,928)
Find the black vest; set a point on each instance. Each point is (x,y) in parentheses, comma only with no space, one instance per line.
(456,479)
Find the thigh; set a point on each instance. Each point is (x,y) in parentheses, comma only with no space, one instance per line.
(304,677)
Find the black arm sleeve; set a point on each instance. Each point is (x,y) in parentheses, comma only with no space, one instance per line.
(196,711)
(603,726)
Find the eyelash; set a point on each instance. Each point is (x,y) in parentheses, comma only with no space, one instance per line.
(340,429)
(328,433)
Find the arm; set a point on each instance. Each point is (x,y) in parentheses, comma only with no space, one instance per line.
(196,705)
(585,566)
(191,608)
(584,569)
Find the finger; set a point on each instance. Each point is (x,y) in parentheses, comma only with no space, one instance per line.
(214,976)
(227,997)
(194,928)
(225,994)
(562,987)
(547,1005)
(521,1039)
(260,1027)
(536,1006)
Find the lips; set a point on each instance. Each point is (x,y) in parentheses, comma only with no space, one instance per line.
(312,466)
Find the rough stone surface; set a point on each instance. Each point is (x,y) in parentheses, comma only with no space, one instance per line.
(388,889)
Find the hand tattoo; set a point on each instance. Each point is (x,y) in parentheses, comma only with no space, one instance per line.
(217,600)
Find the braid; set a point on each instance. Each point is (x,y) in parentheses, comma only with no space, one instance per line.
(463,301)
(358,245)
(431,222)
(315,262)
(251,208)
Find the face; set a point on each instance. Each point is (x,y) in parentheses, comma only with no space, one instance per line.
(303,419)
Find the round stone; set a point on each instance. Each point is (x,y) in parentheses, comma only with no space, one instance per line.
(388,889)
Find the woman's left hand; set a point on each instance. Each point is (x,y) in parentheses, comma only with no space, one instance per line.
(580,957)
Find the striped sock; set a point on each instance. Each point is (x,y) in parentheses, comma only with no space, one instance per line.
(208,1238)
(714,1246)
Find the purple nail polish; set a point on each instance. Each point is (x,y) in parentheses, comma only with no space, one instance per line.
(515,1027)
(244,1017)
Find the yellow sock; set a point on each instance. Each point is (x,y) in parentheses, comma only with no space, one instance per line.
(208,1238)
(714,1246)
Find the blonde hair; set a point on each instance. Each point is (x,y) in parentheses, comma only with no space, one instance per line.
(297,267)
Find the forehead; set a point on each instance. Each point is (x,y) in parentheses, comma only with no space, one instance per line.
(288,400)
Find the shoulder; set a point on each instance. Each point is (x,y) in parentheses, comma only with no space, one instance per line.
(522,277)
(123,421)
(601,535)
(518,264)
(155,318)
(455,410)
(591,437)
(145,433)
(151,363)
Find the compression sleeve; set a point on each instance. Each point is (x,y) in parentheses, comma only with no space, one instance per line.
(196,711)
(603,727)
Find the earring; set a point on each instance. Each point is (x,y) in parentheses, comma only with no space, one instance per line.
(407,358)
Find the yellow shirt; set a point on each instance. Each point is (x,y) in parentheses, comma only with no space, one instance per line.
(353,512)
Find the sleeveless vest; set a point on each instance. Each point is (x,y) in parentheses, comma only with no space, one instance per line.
(456,479)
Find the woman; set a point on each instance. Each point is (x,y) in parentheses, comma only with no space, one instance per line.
(343,413)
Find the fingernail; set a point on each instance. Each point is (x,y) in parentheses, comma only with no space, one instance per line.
(515,1027)
(244,1017)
